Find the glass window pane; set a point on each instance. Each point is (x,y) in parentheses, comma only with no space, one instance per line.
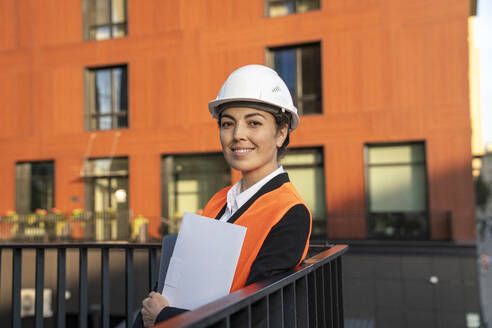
(100,33)
(119,31)
(285,7)
(305,168)
(311,78)
(34,186)
(101,14)
(104,123)
(306,5)
(414,153)
(108,98)
(103,91)
(397,188)
(121,121)
(118,8)
(120,89)
(280,8)
(300,157)
(300,68)
(189,181)
(285,65)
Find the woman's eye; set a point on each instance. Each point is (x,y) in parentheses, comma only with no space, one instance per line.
(255,123)
(225,124)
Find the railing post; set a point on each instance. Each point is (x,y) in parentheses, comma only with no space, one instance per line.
(129,281)
(16,286)
(302,306)
(152,266)
(83,287)
(312,300)
(61,287)
(105,287)
(334,293)
(340,292)
(320,296)
(328,294)
(38,305)
(0,270)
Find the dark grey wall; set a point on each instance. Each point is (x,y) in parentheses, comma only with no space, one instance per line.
(388,285)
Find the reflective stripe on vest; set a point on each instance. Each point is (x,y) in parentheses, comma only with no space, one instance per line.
(264,213)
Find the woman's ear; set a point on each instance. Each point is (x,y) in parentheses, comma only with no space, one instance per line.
(282,134)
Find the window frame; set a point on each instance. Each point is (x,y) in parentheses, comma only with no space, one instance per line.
(270,62)
(30,183)
(89,180)
(165,212)
(87,27)
(321,150)
(426,235)
(90,112)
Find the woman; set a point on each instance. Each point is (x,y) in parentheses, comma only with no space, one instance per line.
(256,114)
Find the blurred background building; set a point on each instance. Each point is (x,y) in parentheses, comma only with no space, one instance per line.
(105,122)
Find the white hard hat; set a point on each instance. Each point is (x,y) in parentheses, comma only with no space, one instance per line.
(258,84)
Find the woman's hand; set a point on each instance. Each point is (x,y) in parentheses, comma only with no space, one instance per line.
(151,307)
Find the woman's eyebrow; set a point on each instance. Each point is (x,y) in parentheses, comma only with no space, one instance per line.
(228,116)
(253,114)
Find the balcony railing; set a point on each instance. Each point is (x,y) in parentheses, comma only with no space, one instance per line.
(82,226)
(310,295)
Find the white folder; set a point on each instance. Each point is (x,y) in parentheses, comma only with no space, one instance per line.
(204,261)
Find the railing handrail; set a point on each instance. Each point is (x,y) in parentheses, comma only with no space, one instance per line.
(207,314)
(282,292)
(88,244)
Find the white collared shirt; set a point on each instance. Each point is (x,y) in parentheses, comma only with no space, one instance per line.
(236,198)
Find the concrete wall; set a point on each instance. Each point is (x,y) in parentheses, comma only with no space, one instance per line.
(389,286)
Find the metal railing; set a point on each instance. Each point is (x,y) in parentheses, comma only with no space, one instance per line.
(61,250)
(310,294)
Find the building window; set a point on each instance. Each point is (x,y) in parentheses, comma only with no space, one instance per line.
(189,181)
(34,186)
(106,98)
(300,68)
(107,199)
(306,172)
(104,19)
(396,185)
(274,8)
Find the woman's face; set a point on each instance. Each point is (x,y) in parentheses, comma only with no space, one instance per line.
(249,139)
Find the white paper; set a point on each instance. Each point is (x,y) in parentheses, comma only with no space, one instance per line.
(204,261)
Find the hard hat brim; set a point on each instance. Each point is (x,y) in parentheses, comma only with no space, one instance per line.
(214,105)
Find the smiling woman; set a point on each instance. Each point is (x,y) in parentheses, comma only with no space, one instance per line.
(250,139)
(256,114)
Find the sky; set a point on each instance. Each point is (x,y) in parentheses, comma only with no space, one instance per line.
(484,43)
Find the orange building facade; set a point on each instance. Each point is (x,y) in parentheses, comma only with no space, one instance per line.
(392,72)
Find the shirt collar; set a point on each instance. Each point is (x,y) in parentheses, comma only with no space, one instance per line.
(236,198)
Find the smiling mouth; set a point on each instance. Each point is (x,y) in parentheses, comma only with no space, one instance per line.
(242,150)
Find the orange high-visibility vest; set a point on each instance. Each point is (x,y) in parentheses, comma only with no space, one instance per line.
(264,213)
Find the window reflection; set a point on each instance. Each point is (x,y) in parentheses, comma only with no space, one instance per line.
(104,19)
(300,68)
(107,96)
(397,191)
(306,171)
(276,8)
(34,186)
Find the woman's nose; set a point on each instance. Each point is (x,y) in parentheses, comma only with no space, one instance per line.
(240,131)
